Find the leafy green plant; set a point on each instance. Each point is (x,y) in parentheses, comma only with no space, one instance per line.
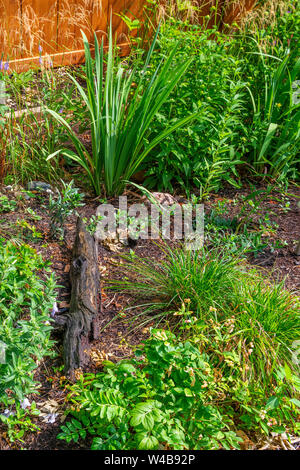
(249,231)
(91,223)
(276,130)
(216,286)
(27,232)
(266,402)
(207,151)
(19,422)
(158,400)
(32,214)
(62,206)
(121,105)
(7,205)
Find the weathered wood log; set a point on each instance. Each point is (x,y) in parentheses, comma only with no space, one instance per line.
(85,299)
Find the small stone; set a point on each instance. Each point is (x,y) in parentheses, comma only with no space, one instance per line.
(163,199)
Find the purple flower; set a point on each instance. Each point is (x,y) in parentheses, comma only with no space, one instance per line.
(61,110)
(7,413)
(6,66)
(40,61)
(54,310)
(40,49)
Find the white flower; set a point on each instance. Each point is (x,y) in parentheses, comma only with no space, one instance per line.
(25,404)
(50,418)
(7,413)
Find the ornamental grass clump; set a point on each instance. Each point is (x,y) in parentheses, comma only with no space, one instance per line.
(121,104)
(269,316)
(203,276)
(202,286)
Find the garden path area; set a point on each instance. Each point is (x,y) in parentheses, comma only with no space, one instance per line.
(118,338)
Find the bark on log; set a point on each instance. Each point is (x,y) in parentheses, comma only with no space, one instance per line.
(85,299)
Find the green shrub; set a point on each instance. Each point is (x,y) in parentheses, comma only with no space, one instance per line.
(216,287)
(190,391)
(62,206)
(258,399)
(204,277)
(234,127)
(207,151)
(275,130)
(7,205)
(250,230)
(25,303)
(121,104)
(160,400)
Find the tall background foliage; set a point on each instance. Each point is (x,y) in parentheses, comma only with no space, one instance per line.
(243,81)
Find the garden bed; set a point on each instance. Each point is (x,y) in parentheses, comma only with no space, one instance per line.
(118,338)
(181,345)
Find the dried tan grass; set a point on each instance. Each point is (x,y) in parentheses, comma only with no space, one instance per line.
(23,30)
(193,11)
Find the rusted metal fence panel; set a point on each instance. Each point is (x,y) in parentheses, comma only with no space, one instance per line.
(30,29)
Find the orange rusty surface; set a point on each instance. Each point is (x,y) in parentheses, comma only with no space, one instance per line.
(33,28)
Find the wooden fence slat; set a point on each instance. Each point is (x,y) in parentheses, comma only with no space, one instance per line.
(236,9)
(83,14)
(100,19)
(39,22)
(116,7)
(65,28)
(10,29)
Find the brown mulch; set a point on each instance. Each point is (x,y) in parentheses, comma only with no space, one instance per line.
(119,339)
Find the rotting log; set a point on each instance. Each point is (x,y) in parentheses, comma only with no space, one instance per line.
(80,324)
